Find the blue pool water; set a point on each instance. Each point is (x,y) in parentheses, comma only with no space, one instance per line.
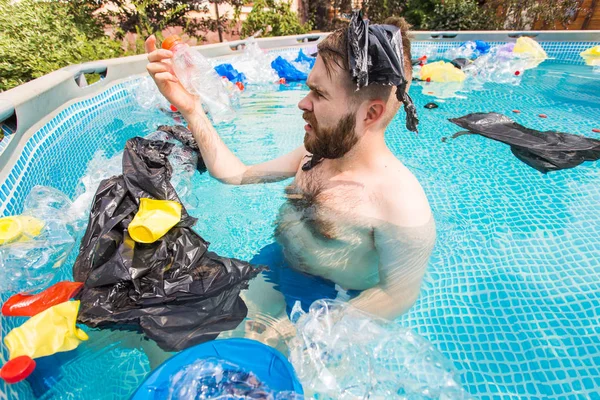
(512,292)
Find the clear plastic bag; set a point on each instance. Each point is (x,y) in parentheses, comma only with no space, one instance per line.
(255,64)
(340,352)
(146,94)
(41,241)
(217,379)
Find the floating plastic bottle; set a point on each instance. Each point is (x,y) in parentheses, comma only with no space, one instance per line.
(198,77)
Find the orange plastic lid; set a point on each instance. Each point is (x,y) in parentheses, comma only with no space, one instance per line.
(17,369)
(170,42)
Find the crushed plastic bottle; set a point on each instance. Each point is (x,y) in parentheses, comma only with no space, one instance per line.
(212,378)
(146,94)
(255,64)
(31,262)
(340,352)
(198,77)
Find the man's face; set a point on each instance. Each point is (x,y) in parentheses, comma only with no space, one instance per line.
(329,112)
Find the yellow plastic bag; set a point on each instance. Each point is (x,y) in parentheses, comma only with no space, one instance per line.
(19,227)
(528,47)
(154,219)
(441,71)
(591,56)
(46,333)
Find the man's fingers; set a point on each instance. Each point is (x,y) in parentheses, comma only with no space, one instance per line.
(166,76)
(159,55)
(150,44)
(157,67)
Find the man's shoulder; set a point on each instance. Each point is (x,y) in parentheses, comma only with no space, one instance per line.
(401,198)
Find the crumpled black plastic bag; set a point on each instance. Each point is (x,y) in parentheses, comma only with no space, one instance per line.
(185,136)
(376,56)
(544,151)
(174,290)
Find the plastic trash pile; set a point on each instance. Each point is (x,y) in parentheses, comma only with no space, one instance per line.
(36,243)
(51,328)
(340,352)
(218,379)
(145,268)
(474,63)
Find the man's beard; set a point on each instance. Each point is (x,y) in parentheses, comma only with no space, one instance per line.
(330,142)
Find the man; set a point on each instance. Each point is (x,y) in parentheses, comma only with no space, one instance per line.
(356,216)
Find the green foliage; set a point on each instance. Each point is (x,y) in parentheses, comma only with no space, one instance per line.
(39,37)
(522,14)
(274,18)
(456,15)
(379,10)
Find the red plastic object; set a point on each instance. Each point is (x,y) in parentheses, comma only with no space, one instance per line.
(422,58)
(170,42)
(428,79)
(173,108)
(517,111)
(517,73)
(543,116)
(240,85)
(596,130)
(17,369)
(28,305)
(282,81)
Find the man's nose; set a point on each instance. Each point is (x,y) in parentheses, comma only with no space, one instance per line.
(305,104)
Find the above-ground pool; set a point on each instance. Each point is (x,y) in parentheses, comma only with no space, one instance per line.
(512,291)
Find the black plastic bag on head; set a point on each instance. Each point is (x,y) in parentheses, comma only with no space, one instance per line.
(376,56)
(544,151)
(174,290)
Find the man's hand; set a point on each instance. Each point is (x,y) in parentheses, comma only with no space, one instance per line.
(161,70)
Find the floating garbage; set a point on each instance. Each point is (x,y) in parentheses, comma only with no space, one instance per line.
(591,56)
(529,50)
(37,242)
(255,64)
(469,50)
(287,70)
(28,305)
(441,71)
(51,331)
(340,352)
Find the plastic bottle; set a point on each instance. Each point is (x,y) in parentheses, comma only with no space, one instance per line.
(198,77)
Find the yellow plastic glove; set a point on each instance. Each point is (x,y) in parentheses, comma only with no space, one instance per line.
(154,219)
(46,333)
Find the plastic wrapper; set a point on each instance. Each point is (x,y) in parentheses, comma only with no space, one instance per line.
(255,64)
(218,379)
(340,352)
(174,290)
(287,70)
(146,94)
(30,262)
(500,65)
(544,151)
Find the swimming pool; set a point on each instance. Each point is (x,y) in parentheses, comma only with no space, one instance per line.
(512,294)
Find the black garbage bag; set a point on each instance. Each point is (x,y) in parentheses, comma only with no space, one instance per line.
(544,151)
(185,136)
(174,290)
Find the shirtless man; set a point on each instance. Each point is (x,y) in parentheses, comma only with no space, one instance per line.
(356,215)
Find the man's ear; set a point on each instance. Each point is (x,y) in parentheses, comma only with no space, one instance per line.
(375,111)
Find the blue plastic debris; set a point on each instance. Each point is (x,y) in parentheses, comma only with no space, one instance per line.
(304,58)
(482,47)
(230,73)
(286,70)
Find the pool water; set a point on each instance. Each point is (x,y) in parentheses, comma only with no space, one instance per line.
(512,292)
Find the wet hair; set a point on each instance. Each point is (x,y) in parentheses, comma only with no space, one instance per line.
(333,50)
